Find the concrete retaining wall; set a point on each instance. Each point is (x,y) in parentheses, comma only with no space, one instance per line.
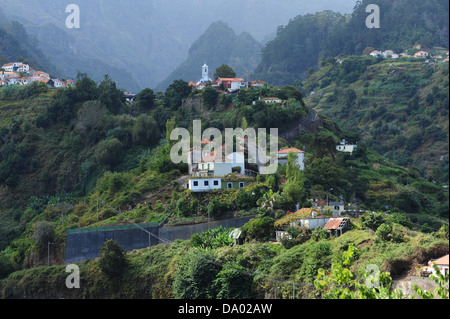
(86,245)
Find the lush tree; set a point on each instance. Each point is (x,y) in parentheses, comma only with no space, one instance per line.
(109,152)
(175,93)
(146,131)
(261,229)
(233,282)
(110,96)
(195,275)
(85,88)
(210,96)
(44,232)
(145,100)
(224,71)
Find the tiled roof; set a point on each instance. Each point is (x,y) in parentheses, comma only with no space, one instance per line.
(232,79)
(442,261)
(334,223)
(288,150)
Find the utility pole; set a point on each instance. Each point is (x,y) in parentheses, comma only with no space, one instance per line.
(328,202)
(48,252)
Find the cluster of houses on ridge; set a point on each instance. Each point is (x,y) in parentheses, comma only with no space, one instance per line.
(227,84)
(13,73)
(420,54)
(211,170)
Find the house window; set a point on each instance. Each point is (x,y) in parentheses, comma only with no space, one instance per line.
(195,183)
(206,183)
(241,185)
(216,183)
(230,185)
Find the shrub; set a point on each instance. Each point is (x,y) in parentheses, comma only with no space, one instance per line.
(372,221)
(109,152)
(261,229)
(113,259)
(384,231)
(194,276)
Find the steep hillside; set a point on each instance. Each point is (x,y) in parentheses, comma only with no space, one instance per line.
(218,45)
(398,107)
(16,42)
(309,39)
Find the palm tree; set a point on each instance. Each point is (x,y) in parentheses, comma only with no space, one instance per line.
(268,200)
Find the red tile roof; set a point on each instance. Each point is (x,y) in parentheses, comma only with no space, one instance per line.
(288,150)
(441,261)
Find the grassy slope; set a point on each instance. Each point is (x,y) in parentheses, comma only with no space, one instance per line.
(383,108)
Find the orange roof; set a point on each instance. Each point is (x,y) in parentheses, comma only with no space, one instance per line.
(442,261)
(232,79)
(288,150)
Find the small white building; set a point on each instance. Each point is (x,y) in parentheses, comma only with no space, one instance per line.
(375,53)
(23,68)
(204,184)
(345,147)
(11,67)
(271,100)
(387,53)
(442,264)
(337,206)
(283,155)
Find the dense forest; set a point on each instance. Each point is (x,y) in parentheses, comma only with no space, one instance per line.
(309,39)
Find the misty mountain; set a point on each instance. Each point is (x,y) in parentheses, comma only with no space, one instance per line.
(143,41)
(218,45)
(15,42)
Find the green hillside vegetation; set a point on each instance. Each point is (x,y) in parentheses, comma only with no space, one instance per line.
(310,39)
(256,269)
(65,152)
(397,107)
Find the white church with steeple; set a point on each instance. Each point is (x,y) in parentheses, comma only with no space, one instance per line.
(205,75)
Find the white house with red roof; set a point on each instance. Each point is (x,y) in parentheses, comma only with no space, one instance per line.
(11,66)
(231,84)
(441,263)
(375,53)
(283,155)
(421,54)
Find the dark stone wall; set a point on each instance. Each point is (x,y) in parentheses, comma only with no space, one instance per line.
(86,245)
